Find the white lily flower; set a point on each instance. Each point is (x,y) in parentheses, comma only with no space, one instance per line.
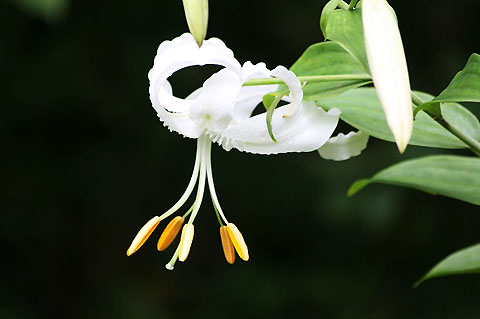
(388,67)
(221,112)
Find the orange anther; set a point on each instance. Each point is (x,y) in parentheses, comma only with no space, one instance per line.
(185,242)
(238,241)
(170,232)
(143,235)
(227,245)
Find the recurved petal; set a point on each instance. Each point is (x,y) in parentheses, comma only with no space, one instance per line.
(177,54)
(306,130)
(143,235)
(170,232)
(295,87)
(250,96)
(238,241)
(213,108)
(388,67)
(343,147)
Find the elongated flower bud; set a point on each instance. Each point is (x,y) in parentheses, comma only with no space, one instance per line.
(238,241)
(227,245)
(170,232)
(388,67)
(185,242)
(196,12)
(143,235)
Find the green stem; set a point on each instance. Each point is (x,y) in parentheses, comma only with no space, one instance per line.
(472,143)
(311,79)
(352,4)
(343,5)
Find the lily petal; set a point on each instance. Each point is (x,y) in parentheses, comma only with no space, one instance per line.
(177,54)
(343,147)
(294,85)
(250,96)
(213,108)
(306,130)
(388,66)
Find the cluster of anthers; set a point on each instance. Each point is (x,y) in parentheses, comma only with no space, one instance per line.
(229,233)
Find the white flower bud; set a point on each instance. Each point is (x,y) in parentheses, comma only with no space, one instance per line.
(388,67)
(196,12)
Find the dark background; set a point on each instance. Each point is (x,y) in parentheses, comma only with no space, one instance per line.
(85,163)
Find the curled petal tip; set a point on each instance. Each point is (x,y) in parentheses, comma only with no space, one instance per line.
(143,235)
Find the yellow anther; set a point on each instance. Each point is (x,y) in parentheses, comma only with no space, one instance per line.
(170,232)
(227,245)
(143,235)
(238,241)
(185,242)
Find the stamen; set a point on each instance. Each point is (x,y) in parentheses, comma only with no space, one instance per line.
(170,232)
(143,234)
(238,241)
(203,145)
(211,185)
(227,245)
(185,242)
(171,263)
(191,184)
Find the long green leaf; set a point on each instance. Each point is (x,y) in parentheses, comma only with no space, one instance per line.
(361,108)
(327,58)
(465,86)
(465,261)
(453,176)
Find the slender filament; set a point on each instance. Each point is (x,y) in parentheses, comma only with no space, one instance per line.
(211,185)
(191,184)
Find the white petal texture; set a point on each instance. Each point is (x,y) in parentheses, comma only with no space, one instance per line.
(177,54)
(343,147)
(304,131)
(388,67)
(222,108)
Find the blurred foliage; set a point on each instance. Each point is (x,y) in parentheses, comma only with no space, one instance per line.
(50,10)
(85,163)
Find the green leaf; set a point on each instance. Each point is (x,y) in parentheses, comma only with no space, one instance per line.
(327,58)
(453,176)
(329,7)
(345,27)
(465,86)
(465,261)
(461,119)
(361,108)
(46,9)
